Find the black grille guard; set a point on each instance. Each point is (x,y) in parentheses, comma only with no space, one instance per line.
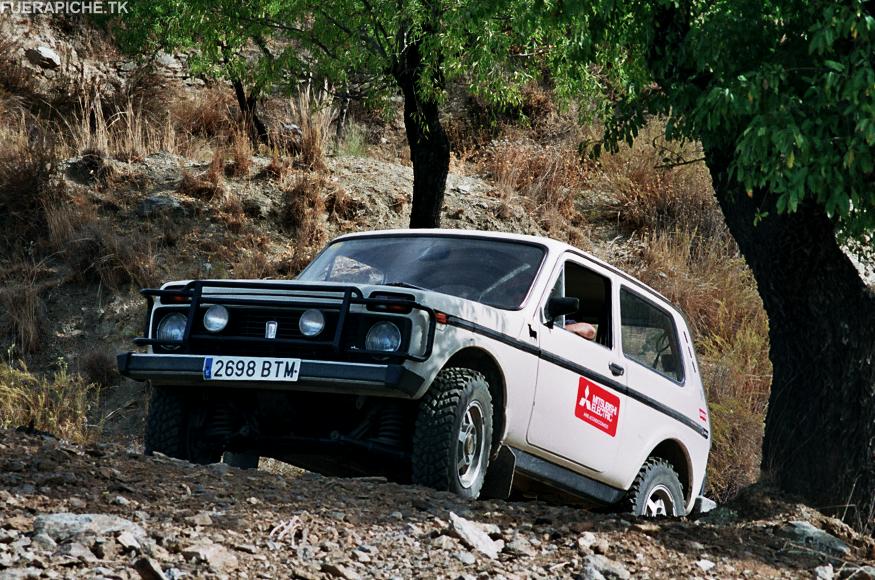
(192,294)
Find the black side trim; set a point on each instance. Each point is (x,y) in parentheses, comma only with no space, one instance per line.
(565,479)
(579,369)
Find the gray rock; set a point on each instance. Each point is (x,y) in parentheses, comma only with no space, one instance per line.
(128,542)
(473,536)
(200,519)
(519,546)
(65,527)
(149,569)
(43,56)
(44,541)
(22,573)
(216,556)
(338,571)
(705,565)
(77,551)
(159,204)
(816,538)
(121,500)
(824,572)
(466,558)
(599,567)
(703,505)
(445,543)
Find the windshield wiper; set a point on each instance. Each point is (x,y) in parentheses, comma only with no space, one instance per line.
(404,285)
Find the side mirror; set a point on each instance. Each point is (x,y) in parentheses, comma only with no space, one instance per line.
(557,307)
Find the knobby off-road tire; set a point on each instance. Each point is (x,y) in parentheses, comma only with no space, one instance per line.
(657,491)
(172,427)
(452,438)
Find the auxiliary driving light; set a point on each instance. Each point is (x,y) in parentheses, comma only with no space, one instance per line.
(216,318)
(312,322)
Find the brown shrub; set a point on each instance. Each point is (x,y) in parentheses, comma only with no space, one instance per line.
(95,252)
(27,158)
(208,113)
(209,185)
(549,177)
(253,264)
(276,169)
(232,213)
(241,155)
(342,206)
(643,190)
(303,209)
(98,367)
(314,113)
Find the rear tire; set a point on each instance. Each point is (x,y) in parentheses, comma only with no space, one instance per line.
(452,438)
(657,491)
(175,427)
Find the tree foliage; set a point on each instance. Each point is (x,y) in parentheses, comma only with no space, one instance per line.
(791,84)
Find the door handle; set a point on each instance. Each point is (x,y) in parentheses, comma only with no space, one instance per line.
(616,369)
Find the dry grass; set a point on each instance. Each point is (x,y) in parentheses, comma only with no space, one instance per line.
(314,114)
(23,314)
(28,155)
(241,155)
(303,208)
(59,404)
(550,177)
(95,252)
(209,185)
(644,188)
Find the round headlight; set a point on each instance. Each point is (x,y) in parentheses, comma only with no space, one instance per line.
(172,329)
(383,336)
(216,318)
(311,322)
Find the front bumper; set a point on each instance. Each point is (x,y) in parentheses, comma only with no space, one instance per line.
(382,380)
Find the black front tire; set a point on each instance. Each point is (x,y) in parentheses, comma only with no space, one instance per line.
(657,491)
(452,438)
(175,427)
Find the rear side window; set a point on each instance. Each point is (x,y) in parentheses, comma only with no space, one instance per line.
(649,336)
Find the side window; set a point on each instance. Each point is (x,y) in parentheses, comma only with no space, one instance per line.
(592,321)
(649,336)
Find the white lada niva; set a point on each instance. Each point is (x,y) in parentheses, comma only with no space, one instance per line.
(480,363)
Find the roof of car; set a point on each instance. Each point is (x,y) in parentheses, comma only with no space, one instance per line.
(554,246)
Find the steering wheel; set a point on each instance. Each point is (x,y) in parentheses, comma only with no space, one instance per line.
(663,343)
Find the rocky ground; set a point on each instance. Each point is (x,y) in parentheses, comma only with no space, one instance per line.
(108,511)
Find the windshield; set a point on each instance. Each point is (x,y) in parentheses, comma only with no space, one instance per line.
(494,272)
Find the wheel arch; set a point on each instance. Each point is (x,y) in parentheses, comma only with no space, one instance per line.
(480,360)
(675,453)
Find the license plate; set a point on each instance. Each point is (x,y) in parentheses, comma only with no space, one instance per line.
(251,368)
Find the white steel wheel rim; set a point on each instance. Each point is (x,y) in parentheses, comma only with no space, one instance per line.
(469,445)
(659,502)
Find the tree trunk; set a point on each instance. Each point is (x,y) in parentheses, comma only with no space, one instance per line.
(820,427)
(254,125)
(429,145)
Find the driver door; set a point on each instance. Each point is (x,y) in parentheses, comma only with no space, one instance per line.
(576,415)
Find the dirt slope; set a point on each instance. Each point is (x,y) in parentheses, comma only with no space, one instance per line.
(154,516)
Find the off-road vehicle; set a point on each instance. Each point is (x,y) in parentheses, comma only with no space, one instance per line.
(441,357)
